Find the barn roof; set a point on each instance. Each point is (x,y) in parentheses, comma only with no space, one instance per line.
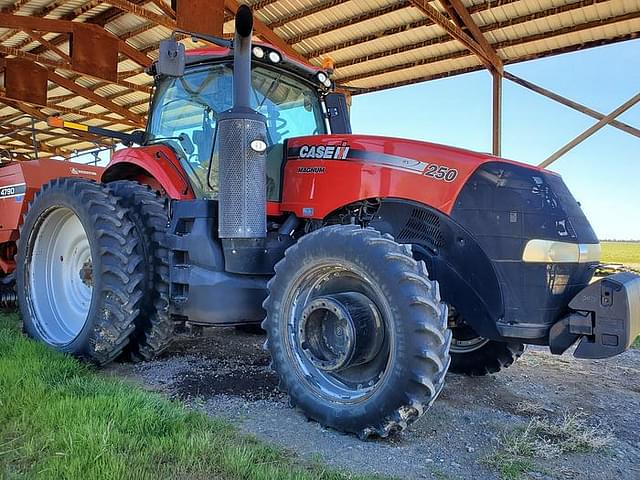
(374,44)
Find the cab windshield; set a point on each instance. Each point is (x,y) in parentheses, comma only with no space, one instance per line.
(185,112)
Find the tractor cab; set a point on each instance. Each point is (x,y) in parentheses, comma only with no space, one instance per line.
(293,97)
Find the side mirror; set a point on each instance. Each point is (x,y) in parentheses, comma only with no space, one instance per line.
(338,113)
(171,59)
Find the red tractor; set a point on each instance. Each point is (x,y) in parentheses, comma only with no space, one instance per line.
(374,264)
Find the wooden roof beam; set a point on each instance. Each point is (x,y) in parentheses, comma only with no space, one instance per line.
(355,19)
(475,68)
(456,32)
(53,64)
(444,38)
(45,43)
(140,11)
(166,9)
(424,22)
(36,113)
(22,22)
(488,28)
(569,103)
(477,35)
(28,140)
(94,97)
(507,43)
(292,17)
(603,122)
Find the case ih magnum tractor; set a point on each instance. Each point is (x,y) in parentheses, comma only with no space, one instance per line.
(374,264)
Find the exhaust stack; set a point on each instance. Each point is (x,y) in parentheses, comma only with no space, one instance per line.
(242,133)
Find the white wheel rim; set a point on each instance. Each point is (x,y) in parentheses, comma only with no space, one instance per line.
(466,346)
(60,277)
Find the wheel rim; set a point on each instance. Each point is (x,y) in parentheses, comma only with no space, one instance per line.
(60,277)
(339,336)
(465,340)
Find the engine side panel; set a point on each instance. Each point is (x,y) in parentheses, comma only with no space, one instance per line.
(325,172)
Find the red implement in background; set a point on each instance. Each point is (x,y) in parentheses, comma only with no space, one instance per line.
(19,181)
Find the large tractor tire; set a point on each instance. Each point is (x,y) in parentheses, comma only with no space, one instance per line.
(79,278)
(147,210)
(475,356)
(356,330)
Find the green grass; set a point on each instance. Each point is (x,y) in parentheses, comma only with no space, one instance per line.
(627,253)
(544,439)
(61,419)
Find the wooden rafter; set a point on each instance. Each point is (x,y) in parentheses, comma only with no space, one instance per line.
(444,38)
(456,32)
(22,22)
(45,43)
(603,122)
(166,9)
(570,103)
(474,68)
(142,12)
(94,97)
(348,22)
(38,114)
(312,10)
(507,43)
(477,35)
(423,22)
(54,64)
(28,140)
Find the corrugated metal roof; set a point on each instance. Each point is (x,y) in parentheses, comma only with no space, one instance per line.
(375,44)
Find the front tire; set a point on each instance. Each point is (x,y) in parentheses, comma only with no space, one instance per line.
(147,209)
(78,276)
(356,330)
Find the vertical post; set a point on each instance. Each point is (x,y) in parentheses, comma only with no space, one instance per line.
(497,113)
(33,136)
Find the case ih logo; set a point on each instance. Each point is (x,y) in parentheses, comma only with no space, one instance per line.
(326,152)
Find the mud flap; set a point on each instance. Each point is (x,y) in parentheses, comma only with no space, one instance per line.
(606,318)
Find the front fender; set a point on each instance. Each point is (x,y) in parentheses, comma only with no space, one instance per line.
(156,166)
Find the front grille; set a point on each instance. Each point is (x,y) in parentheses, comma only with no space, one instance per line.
(422,226)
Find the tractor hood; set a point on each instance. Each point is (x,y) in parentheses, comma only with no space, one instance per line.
(368,166)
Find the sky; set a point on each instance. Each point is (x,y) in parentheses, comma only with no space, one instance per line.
(603,172)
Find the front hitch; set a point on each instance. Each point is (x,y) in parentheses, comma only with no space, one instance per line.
(605,318)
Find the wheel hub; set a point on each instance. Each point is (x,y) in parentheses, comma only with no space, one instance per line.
(340,331)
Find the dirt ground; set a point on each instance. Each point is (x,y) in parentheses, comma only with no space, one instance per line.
(226,373)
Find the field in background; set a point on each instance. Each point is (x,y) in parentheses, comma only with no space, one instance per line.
(626,253)
(60,419)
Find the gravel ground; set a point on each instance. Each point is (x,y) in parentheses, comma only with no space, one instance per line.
(225,373)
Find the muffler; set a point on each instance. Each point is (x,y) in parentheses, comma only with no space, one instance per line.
(242,137)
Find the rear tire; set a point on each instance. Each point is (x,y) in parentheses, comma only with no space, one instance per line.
(475,356)
(79,278)
(405,339)
(147,210)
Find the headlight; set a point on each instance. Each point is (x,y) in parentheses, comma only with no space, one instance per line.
(322,77)
(549,251)
(274,57)
(258,52)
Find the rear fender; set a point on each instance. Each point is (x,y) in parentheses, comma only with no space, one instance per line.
(465,274)
(156,166)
